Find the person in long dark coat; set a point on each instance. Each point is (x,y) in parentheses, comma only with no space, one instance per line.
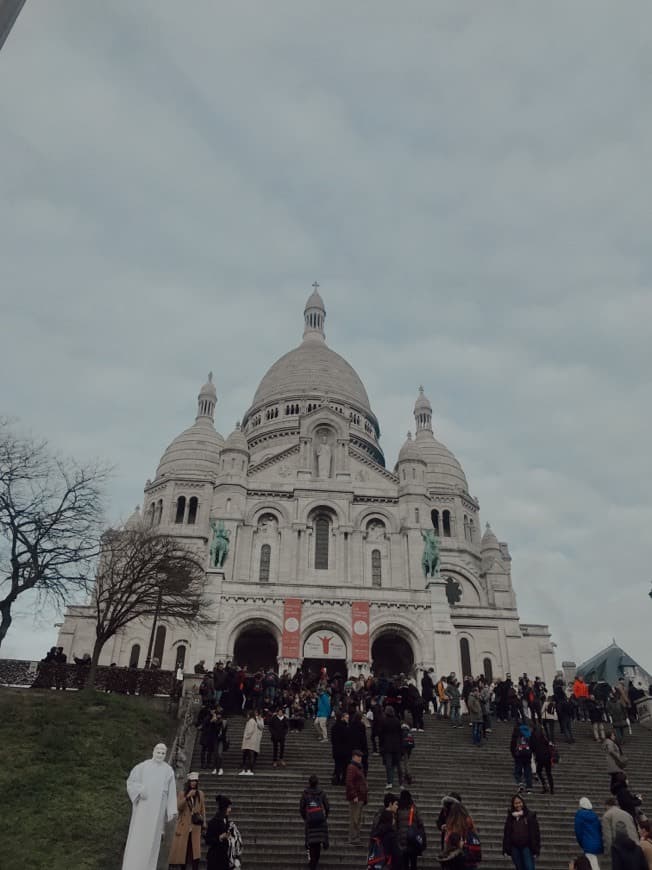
(341,745)
(316,833)
(217,836)
(358,739)
(386,832)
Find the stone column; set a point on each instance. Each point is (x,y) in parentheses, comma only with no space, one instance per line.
(444,638)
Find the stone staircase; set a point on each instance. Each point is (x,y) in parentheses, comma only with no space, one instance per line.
(265,806)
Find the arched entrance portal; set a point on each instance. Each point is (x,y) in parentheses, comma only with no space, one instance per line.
(324,648)
(256,648)
(392,655)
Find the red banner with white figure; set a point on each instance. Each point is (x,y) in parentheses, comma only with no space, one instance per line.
(291,643)
(360,631)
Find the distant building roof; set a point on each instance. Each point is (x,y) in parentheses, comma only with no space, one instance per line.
(609,665)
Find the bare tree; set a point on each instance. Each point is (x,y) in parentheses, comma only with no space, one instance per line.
(50,521)
(143,573)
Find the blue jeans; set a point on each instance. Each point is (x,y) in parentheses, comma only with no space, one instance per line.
(522,858)
(477,733)
(523,770)
(455,714)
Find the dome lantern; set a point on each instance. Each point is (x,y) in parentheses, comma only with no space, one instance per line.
(314,315)
(423,412)
(207,399)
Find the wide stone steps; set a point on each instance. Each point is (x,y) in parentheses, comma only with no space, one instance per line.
(266,804)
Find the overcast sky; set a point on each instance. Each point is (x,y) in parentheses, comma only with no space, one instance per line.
(469,183)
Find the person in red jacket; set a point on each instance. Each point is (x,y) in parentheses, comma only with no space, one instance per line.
(356,795)
(581,693)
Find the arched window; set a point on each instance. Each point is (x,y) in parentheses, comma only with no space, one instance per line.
(151,513)
(376,568)
(159,512)
(466,527)
(322,533)
(159,645)
(181,509)
(488,670)
(265,559)
(471,530)
(193,506)
(465,655)
(134,656)
(446,523)
(181,657)
(434,516)
(416,515)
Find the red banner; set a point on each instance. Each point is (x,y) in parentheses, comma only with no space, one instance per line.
(360,631)
(291,645)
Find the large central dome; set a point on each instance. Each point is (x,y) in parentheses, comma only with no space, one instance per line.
(312,370)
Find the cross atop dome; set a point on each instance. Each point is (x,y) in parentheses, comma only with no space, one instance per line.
(314,315)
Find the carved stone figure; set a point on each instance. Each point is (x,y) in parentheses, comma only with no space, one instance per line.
(151,788)
(430,559)
(375,531)
(323,458)
(219,545)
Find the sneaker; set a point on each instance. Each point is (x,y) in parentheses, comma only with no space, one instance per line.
(220,772)
(274,764)
(242,773)
(214,771)
(389,786)
(251,773)
(420,729)
(282,763)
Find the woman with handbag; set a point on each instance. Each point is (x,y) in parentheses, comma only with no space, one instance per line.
(186,846)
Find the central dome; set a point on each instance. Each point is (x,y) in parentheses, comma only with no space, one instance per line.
(312,370)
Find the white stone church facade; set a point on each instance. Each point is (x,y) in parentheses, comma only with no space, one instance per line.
(326,544)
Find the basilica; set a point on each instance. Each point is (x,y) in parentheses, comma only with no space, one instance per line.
(321,546)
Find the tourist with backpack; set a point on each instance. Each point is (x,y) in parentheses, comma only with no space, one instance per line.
(314,809)
(521,835)
(521,750)
(459,824)
(390,745)
(544,753)
(411,831)
(549,717)
(384,851)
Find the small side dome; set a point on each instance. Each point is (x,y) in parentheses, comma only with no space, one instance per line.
(135,521)
(237,440)
(194,453)
(489,541)
(409,452)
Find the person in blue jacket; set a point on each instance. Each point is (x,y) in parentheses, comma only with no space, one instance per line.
(588,832)
(323,713)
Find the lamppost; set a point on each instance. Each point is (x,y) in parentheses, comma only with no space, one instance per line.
(157,612)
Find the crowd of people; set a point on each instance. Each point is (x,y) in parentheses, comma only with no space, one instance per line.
(366,715)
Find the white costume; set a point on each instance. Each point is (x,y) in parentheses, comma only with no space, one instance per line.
(152,789)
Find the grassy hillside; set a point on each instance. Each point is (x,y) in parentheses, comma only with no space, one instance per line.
(65,759)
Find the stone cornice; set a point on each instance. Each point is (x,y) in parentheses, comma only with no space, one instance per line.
(325,601)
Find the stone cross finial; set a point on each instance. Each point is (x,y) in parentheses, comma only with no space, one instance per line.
(210,377)
(315,286)
(421,390)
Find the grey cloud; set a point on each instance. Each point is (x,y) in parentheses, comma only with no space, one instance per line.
(468,184)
